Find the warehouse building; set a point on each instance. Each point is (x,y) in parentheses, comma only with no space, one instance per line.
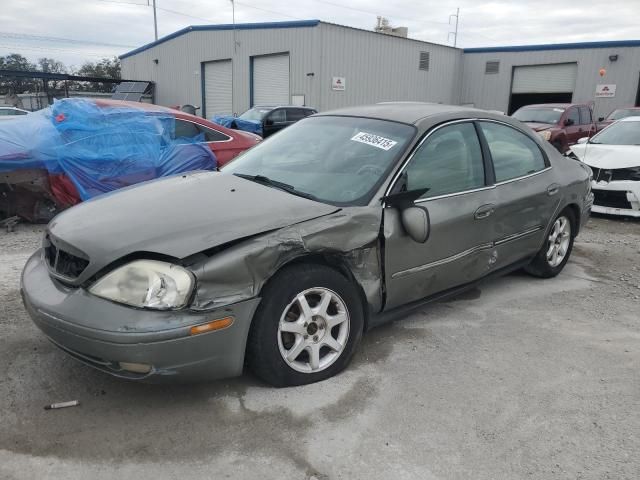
(506,78)
(229,68)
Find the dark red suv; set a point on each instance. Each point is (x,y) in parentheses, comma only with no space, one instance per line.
(562,124)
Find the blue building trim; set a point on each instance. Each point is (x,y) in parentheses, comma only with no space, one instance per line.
(229,26)
(556,46)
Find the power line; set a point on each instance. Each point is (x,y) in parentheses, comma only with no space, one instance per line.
(370,12)
(16,48)
(27,36)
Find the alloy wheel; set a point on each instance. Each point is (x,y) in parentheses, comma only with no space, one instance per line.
(313,330)
(558,241)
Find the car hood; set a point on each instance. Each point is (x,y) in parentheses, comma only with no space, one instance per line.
(538,127)
(177,216)
(608,156)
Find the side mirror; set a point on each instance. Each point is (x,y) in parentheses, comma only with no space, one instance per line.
(568,122)
(583,140)
(415,220)
(600,119)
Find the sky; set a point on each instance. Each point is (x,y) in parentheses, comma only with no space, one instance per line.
(75,31)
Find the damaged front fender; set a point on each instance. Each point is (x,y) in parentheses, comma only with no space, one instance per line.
(350,236)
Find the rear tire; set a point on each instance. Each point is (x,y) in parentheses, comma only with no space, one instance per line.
(306,328)
(555,251)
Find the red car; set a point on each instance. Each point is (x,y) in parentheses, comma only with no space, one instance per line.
(561,124)
(224,142)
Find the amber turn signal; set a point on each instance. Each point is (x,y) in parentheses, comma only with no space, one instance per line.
(211,326)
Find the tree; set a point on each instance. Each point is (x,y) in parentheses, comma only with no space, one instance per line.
(51,65)
(107,67)
(15,85)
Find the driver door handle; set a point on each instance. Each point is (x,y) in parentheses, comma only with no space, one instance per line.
(484,211)
(553,189)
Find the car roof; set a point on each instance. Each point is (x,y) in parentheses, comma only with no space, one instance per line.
(405,112)
(556,105)
(282,106)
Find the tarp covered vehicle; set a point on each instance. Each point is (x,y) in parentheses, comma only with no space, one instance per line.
(79,148)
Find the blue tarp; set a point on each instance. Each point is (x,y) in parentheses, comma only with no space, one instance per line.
(100,146)
(230,121)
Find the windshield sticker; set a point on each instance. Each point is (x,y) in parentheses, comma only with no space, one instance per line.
(558,110)
(374,140)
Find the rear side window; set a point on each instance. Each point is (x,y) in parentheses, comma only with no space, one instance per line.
(449,161)
(585,115)
(211,135)
(186,129)
(514,154)
(278,116)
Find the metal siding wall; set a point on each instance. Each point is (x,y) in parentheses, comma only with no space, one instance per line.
(492,91)
(177,74)
(384,68)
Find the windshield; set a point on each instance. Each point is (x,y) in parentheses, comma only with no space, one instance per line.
(620,133)
(255,114)
(539,115)
(623,113)
(337,160)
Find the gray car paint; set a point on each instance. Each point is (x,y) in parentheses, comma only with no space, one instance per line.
(235,235)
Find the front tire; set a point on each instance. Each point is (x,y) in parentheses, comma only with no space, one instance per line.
(306,328)
(555,251)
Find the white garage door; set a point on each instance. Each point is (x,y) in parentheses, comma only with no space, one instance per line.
(559,78)
(218,88)
(271,80)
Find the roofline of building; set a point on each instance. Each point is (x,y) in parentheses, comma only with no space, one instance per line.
(556,46)
(228,26)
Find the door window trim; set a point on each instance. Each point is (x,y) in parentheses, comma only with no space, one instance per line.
(229,138)
(417,147)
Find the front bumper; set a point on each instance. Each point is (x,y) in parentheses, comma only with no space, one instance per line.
(619,197)
(91,330)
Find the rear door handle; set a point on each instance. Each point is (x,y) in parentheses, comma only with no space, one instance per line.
(553,189)
(484,211)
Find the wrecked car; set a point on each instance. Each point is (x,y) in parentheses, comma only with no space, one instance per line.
(614,157)
(335,225)
(80,148)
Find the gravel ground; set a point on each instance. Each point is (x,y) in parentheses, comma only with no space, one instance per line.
(521,378)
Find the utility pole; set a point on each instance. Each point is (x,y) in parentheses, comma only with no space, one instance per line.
(455,34)
(233,20)
(155,19)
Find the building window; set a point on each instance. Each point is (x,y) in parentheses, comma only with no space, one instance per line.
(424,61)
(492,66)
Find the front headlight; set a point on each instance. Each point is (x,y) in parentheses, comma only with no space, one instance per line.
(148,284)
(546,135)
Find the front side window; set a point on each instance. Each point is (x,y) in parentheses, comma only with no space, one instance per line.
(337,160)
(573,115)
(514,154)
(255,114)
(449,161)
(277,116)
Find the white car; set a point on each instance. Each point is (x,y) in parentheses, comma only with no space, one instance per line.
(7,113)
(614,156)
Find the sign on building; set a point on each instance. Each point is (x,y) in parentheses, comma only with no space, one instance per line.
(606,91)
(338,83)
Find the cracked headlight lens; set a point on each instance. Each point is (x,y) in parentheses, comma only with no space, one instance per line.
(146,284)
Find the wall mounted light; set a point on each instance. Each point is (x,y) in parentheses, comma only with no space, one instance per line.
(156,61)
(613,58)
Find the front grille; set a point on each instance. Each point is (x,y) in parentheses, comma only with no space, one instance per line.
(611,198)
(612,174)
(62,262)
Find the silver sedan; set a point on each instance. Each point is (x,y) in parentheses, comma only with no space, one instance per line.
(284,259)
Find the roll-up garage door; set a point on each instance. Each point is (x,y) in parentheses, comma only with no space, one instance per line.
(557,78)
(271,80)
(218,88)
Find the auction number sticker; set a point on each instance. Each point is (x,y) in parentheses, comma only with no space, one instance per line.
(374,140)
